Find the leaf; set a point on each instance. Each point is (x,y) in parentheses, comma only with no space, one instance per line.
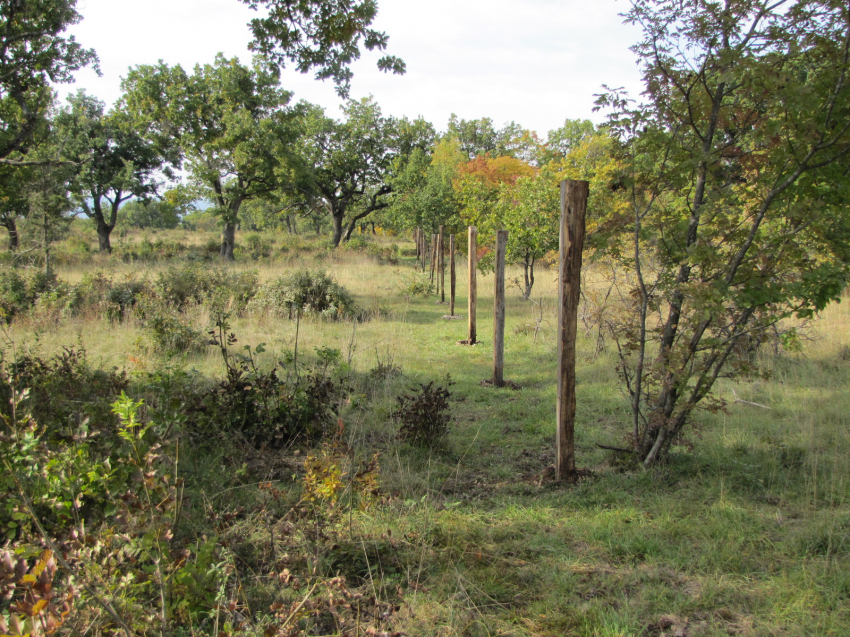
(42,563)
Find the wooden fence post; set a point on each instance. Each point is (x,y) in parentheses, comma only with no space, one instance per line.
(433,255)
(422,249)
(442,265)
(574,195)
(472,336)
(499,311)
(452,275)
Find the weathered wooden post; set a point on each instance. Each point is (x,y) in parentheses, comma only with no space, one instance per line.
(499,311)
(417,243)
(574,195)
(472,336)
(442,266)
(452,275)
(424,250)
(433,255)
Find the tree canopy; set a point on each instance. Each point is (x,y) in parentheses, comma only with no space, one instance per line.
(34,55)
(728,167)
(232,125)
(320,35)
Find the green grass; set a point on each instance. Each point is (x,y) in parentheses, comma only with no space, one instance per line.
(744,531)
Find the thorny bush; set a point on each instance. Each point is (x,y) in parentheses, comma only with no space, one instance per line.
(425,416)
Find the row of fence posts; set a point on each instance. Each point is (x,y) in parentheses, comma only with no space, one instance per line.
(431,256)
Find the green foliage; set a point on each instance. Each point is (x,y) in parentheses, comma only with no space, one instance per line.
(170,333)
(181,286)
(260,406)
(149,214)
(99,294)
(65,391)
(726,167)
(35,58)
(417,284)
(315,35)
(15,294)
(310,293)
(237,147)
(114,161)
(425,416)
(425,197)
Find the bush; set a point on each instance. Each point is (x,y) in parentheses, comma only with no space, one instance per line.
(169,334)
(101,295)
(311,293)
(15,296)
(424,416)
(389,253)
(65,391)
(416,285)
(195,285)
(19,293)
(263,408)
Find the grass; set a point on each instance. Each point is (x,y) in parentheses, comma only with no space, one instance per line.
(745,531)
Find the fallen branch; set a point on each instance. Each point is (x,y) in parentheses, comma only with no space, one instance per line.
(748,402)
(610,448)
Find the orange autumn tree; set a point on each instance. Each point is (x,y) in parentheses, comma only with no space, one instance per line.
(478,184)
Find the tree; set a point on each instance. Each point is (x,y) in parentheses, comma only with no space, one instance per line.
(478,186)
(14,201)
(425,196)
(355,159)
(114,161)
(165,212)
(729,165)
(324,35)
(561,141)
(34,55)
(529,210)
(231,124)
(475,136)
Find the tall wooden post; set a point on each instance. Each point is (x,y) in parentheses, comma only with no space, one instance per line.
(442,265)
(574,195)
(499,311)
(423,240)
(433,255)
(452,275)
(472,336)
(417,243)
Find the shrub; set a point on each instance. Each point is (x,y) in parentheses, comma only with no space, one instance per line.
(19,293)
(263,408)
(311,293)
(64,389)
(389,253)
(15,296)
(169,333)
(194,284)
(257,246)
(424,416)
(416,285)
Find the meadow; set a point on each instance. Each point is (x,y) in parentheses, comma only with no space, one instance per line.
(745,530)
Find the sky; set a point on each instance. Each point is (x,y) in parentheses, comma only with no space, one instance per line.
(535,62)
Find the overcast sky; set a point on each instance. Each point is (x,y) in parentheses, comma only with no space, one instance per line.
(536,62)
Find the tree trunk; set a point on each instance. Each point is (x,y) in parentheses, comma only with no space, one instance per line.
(337,237)
(228,241)
(528,271)
(103,232)
(14,238)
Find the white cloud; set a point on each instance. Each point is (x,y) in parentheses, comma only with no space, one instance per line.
(536,62)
